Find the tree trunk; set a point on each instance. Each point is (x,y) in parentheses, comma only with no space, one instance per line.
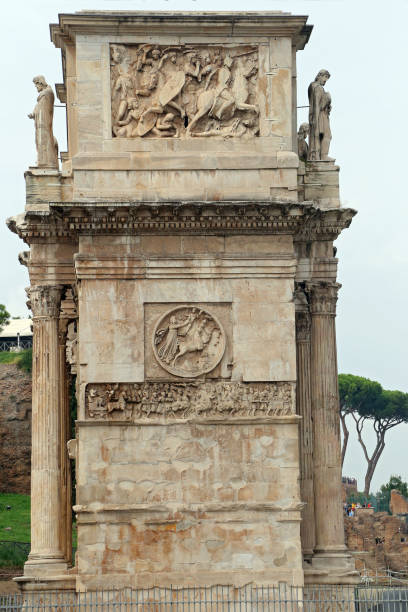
(345,437)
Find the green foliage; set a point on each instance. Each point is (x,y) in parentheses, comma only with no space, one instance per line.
(368,399)
(7,357)
(384,494)
(361,498)
(25,360)
(22,360)
(358,394)
(4,316)
(18,518)
(12,556)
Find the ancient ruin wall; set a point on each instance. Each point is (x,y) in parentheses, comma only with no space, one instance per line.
(15,429)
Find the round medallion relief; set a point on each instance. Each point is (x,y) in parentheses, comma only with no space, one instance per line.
(188,341)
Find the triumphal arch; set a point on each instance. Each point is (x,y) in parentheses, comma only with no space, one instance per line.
(183,286)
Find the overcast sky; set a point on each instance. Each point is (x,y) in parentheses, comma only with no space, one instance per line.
(363,45)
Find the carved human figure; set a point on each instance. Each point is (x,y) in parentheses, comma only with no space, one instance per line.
(195,338)
(127,127)
(118,54)
(193,65)
(43,114)
(165,126)
(169,349)
(212,101)
(302,144)
(319,111)
(240,86)
(123,87)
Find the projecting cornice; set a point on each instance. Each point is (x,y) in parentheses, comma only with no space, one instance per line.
(67,220)
(119,23)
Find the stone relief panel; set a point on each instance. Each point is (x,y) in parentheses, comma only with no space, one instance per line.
(153,400)
(184,91)
(187,341)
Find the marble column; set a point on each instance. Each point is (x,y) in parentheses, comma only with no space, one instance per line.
(47,504)
(65,435)
(304,409)
(330,550)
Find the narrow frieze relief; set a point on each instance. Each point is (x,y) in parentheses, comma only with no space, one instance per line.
(184,91)
(157,400)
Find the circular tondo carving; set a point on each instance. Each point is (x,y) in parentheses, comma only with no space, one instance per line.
(188,341)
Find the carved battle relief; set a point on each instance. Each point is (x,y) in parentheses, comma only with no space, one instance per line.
(184,91)
(188,341)
(152,400)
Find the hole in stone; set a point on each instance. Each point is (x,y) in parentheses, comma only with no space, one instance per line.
(185,121)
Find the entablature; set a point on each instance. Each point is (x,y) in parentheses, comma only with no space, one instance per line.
(67,220)
(249,23)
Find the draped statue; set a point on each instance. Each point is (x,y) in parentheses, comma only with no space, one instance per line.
(319,111)
(43,114)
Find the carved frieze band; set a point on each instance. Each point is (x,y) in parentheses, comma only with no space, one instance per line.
(182,91)
(68,219)
(157,400)
(45,300)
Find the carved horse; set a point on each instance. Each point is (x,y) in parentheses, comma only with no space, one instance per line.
(227,100)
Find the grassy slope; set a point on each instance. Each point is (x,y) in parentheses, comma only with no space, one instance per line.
(18,518)
(23,360)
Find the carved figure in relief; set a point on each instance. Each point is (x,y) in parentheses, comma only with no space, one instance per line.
(193,83)
(303,148)
(168,351)
(319,112)
(43,115)
(146,401)
(123,87)
(127,127)
(191,341)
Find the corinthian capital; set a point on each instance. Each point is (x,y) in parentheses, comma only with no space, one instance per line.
(45,300)
(323,297)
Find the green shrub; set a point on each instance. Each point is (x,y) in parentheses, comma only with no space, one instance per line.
(12,555)
(25,360)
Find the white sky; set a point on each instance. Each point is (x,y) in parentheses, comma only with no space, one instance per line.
(363,45)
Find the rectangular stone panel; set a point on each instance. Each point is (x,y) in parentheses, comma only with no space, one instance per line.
(184,90)
(151,401)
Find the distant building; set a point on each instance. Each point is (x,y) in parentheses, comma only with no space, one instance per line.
(349,487)
(16,334)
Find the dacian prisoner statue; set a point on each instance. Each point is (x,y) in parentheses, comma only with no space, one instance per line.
(43,114)
(319,111)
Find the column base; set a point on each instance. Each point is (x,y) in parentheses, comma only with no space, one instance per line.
(43,567)
(32,584)
(331,568)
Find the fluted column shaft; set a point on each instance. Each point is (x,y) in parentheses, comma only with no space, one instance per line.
(304,409)
(65,434)
(47,549)
(326,425)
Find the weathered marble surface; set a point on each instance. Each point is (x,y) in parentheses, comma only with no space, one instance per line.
(164,91)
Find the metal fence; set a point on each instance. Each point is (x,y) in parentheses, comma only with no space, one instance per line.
(216,599)
(7,345)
